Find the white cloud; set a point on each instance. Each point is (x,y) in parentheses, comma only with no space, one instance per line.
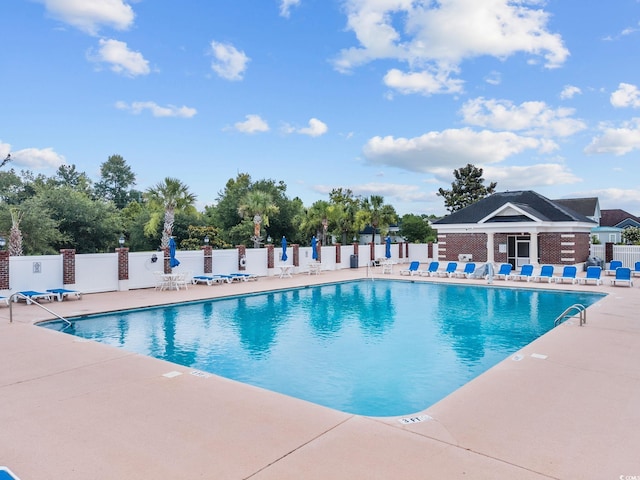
(617,141)
(285,7)
(449,149)
(530,176)
(252,124)
(89,15)
(424,82)
(570,91)
(33,158)
(444,34)
(156,110)
(627,95)
(228,62)
(121,59)
(532,118)
(315,128)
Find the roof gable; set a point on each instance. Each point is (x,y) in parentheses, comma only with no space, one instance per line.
(517,206)
(615,217)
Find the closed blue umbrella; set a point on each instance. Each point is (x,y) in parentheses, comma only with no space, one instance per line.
(314,249)
(173,261)
(387,248)
(284,249)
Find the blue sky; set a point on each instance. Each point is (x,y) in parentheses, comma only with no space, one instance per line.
(384,97)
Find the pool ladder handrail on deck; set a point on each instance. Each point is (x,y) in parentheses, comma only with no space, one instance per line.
(31,300)
(572,311)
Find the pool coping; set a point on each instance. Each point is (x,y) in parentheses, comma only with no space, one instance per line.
(565,408)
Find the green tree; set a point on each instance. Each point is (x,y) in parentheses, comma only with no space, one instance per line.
(467,188)
(69,176)
(342,213)
(164,199)
(416,229)
(258,206)
(314,220)
(374,212)
(87,225)
(631,235)
(116,180)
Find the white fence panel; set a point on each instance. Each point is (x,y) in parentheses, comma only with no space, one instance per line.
(627,254)
(38,272)
(141,268)
(96,272)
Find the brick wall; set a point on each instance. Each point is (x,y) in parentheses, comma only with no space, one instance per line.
(4,270)
(123,264)
(69,266)
(452,244)
(563,248)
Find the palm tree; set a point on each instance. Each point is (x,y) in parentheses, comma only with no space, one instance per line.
(316,218)
(258,206)
(376,213)
(164,199)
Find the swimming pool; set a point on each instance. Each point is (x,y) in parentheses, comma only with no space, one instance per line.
(382,348)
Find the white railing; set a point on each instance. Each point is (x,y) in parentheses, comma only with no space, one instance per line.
(627,254)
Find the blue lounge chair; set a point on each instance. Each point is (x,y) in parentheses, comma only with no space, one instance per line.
(612,267)
(526,271)
(593,275)
(450,270)
(431,271)
(31,296)
(469,268)
(211,279)
(546,273)
(243,277)
(503,271)
(636,270)
(569,273)
(623,276)
(62,293)
(413,269)
(4,300)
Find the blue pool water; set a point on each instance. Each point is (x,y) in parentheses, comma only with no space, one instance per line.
(380,348)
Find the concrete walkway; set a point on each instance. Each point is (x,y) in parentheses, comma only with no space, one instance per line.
(567,406)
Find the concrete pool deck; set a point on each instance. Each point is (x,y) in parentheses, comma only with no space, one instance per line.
(566,407)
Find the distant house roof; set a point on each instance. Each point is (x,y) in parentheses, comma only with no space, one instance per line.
(526,204)
(618,218)
(589,207)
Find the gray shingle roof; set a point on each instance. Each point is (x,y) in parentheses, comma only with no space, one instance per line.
(527,200)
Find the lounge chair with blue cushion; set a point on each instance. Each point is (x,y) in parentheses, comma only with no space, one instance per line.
(449,271)
(412,269)
(636,270)
(546,273)
(469,268)
(593,275)
(431,271)
(623,276)
(243,277)
(526,271)
(31,296)
(504,271)
(211,279)
(612,267)
(569,273)
(62,293)
(4,300)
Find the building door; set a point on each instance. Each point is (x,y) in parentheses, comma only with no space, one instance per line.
(518,250)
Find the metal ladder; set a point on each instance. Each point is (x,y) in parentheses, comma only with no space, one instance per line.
(31,300)
(573,310)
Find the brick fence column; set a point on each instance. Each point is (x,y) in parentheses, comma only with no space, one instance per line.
(355,249)
(608,252)
(338,253)
(208,259)
(4,270)
(123,263)
(296,254)
(242,255)
(270,256)
(68,266)
(406,249)
(372,251)
(400,251)
(430,250)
